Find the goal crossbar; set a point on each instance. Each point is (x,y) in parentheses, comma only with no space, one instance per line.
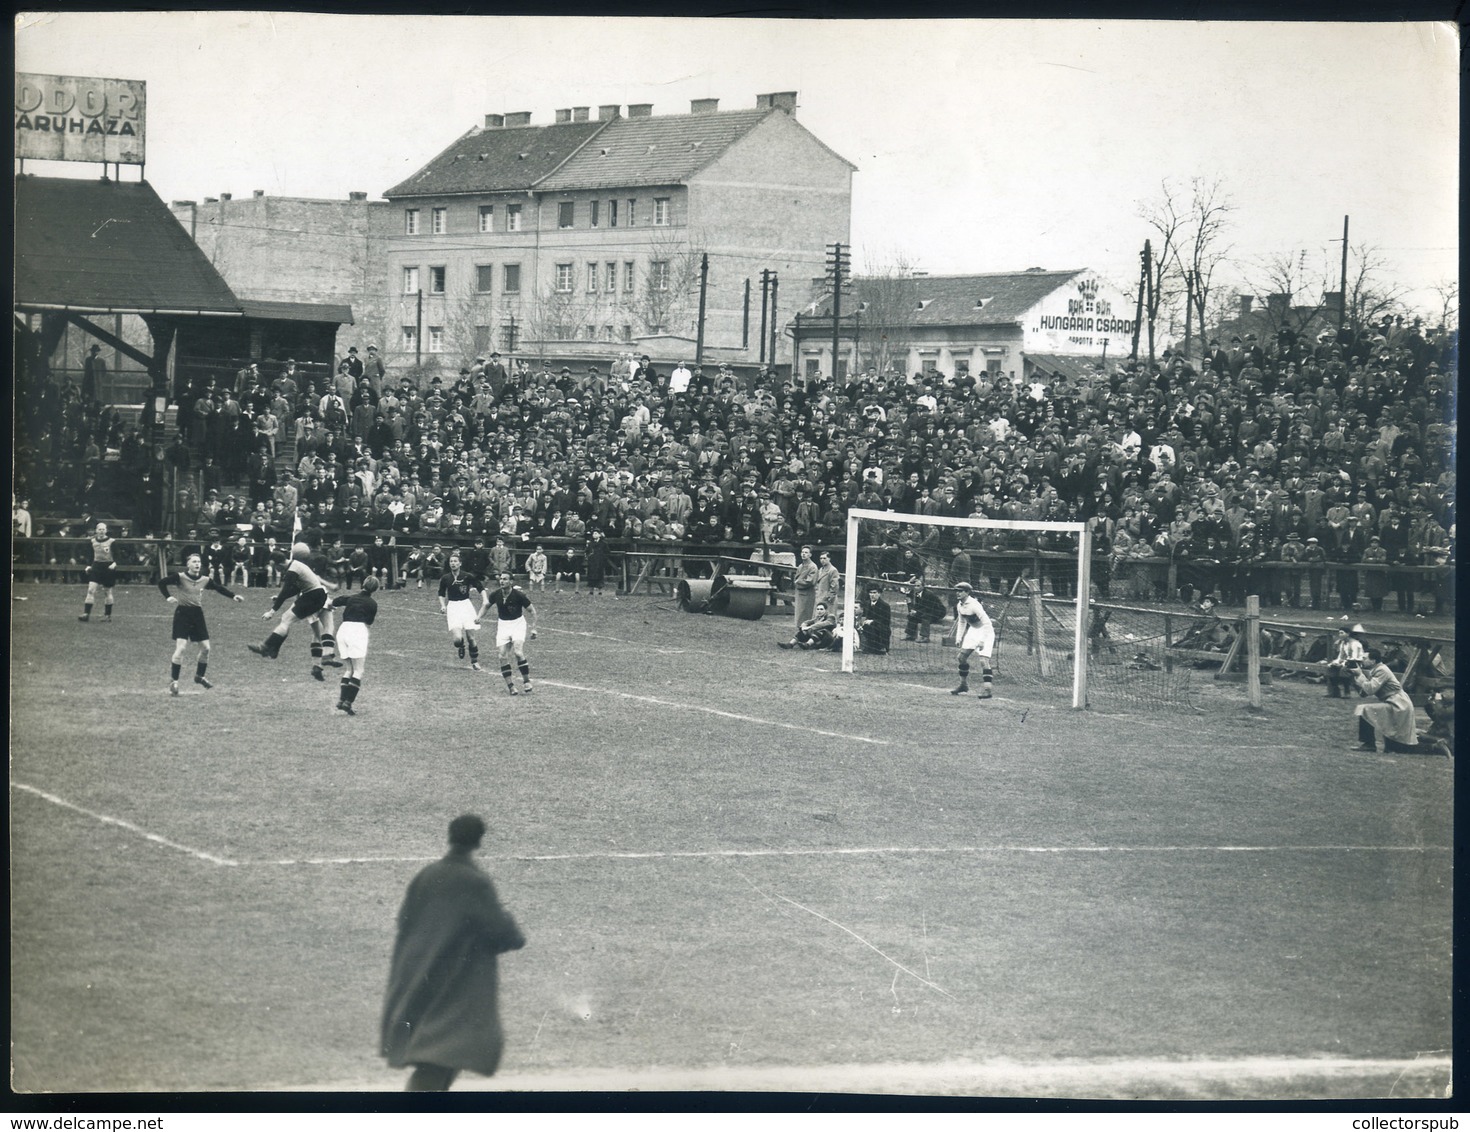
(857,515)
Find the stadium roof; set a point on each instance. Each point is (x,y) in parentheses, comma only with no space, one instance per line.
(500,159)
(338,313)
(108,247)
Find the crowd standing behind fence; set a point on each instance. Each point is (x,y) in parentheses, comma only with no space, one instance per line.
(1276,461)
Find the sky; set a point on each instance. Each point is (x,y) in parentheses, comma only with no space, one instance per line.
(981,145)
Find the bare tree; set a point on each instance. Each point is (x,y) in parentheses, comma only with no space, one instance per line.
(1192,224)
(886,295)
(1448,316)
(668,300)
(1167,215)
(1286,278)
(1370,295)
(1203,247)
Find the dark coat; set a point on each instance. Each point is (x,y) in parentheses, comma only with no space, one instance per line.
(441,1006)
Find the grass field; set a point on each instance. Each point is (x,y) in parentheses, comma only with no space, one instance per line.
(736,868)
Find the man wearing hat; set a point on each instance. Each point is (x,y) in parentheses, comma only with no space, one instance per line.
(1348,656)
(374,370)
(974,634)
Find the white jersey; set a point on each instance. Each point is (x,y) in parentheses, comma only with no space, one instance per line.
(973,628)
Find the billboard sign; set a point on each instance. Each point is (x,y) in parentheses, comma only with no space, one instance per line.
(66,118)
(1078,317)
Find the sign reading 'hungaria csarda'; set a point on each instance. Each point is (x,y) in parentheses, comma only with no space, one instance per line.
(67,118)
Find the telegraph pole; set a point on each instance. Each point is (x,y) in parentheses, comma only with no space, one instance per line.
(765,303)
(418,332)
(1148,274)
(1138,314)
(703,287)
(774,282)
(745,319)
(1342,306)
(838,261)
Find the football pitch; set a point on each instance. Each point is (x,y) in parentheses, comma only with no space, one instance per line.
(736,868)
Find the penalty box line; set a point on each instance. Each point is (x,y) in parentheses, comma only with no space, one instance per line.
(715,711)
(718,854)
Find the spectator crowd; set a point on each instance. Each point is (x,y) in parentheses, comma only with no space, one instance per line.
(1329,451)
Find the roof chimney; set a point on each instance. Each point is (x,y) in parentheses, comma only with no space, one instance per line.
(781,100)
(181,204)
(226,196)
(563,116)
(259,193)
(609,113)
(1245,304)
(519,118)
(357,196)
(640,110)
(494,121)
(579,113)
(211,200)
(1279,303)
(704,105)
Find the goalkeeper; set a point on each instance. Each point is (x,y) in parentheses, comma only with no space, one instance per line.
(973,633)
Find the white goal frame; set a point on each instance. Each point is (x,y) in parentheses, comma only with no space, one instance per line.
(1084,576)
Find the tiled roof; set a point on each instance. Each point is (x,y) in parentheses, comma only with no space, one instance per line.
(950,300)
(101,246)
(664,150)
(337,313)
(497,160)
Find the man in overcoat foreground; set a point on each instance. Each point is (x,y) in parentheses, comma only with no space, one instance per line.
(440,1014)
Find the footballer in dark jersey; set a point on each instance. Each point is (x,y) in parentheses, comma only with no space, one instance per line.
(517,621)
(189,617)
(455,588)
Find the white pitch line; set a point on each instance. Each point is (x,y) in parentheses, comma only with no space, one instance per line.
(711,854)
(716,711)
(200,854)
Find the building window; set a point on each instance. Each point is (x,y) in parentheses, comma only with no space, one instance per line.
(487,218)
(590,332)
(508,336)
(658,275)
(628,275)
(410,280)
(512,280)
(436,280)
(660,211)
(482,341)
(962,367)
(439,221)
(565,211)
(436,339)
(592,210)
(627,332)
(632,208)
(512,218)
(411,222)
(931,367)
(610,282)
(612,214)
(410,339)
(592,276)
(607,333)
(992,365)
(484,277)
(813,366)
(563,278)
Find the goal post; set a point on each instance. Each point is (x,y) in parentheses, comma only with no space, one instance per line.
(866,560)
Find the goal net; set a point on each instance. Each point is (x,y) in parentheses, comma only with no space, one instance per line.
(1034,580)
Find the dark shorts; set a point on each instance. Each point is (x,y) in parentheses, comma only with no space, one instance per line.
(103,573)
(309,604)
(189,624)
